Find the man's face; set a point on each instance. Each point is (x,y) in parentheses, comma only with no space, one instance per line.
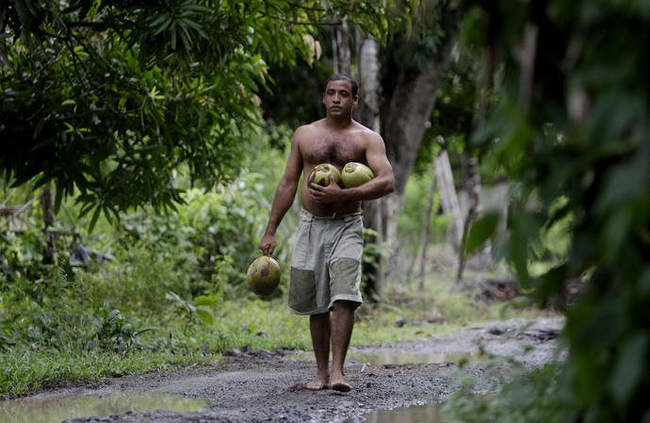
(338,99)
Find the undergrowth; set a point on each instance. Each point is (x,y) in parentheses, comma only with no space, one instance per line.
(153,292)
(61,344)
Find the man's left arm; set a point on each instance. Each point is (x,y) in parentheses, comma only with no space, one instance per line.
(382,184)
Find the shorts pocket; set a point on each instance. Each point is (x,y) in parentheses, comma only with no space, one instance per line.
(302,290)
(345,277)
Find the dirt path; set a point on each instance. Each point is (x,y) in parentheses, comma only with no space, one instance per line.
(266,386)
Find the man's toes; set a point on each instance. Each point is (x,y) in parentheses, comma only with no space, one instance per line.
(340,386)
(315,385)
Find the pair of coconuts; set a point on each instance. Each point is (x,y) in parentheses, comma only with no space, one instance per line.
(353,175)
(264,273)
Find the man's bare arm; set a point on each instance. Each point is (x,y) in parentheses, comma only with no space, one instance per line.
(284,194)
(382,184)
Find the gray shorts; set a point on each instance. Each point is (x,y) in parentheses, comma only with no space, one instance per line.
(326,263)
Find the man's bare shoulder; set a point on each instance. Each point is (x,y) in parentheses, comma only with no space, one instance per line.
(307,130)
(367,134)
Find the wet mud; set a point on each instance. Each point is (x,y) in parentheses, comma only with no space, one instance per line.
(267,386)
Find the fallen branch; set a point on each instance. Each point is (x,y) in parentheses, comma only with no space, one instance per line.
(13,211)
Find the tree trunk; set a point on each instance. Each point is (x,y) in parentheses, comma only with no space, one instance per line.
(470,164)
(450,205)
(525,55)
(427,230)
(370,90)
(412,90)
(473,188)
(368,114)
(409,109)
(49,254)
(412,93)
(404,121)
(341,47)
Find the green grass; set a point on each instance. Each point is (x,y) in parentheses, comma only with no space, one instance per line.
(440,309)
(23,370)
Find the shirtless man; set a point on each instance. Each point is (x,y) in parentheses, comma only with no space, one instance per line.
(326,261)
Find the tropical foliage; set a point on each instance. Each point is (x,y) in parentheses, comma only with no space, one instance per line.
(571,127)
(108,98)
(122,104)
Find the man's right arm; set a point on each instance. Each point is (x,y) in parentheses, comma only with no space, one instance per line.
(284,194)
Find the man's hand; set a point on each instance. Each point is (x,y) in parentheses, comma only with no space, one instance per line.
(267,244)
(326,195)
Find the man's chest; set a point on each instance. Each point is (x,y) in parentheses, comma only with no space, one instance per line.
(337,150)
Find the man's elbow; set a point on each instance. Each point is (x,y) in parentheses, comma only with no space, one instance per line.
(389,185)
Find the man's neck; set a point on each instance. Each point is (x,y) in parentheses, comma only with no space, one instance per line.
(339,123)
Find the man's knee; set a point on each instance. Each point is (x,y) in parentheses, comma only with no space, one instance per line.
(343,305)
(319,317)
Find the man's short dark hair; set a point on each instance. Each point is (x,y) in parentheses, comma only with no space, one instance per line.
(340,76)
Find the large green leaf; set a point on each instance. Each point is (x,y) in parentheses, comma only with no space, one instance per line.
(630,367)
(480,231)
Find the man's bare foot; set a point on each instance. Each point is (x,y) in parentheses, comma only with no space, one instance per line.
(317,384)
(338,383)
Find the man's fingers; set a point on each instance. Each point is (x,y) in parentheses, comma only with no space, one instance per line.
(267,250)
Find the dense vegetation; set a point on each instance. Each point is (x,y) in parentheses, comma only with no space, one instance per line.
(157,291)
(123,105)
(570,124)
(107,99)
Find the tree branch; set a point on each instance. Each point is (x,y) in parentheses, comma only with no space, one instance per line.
(11,211)
(315,9)
(290,21)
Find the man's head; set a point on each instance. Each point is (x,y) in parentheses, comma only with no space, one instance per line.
(339,76)
(340,95)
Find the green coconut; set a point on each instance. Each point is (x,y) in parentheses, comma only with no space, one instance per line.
(355,174)
(323,174)
(264,275)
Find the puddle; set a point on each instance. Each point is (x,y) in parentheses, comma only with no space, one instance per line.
(429,413)
(390,357)
(55,409)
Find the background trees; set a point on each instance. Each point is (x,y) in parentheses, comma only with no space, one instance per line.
(110,98)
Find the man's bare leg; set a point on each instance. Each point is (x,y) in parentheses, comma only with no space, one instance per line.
(342,323)
(319,325)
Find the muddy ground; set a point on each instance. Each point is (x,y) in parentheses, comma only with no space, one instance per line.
(267,386)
